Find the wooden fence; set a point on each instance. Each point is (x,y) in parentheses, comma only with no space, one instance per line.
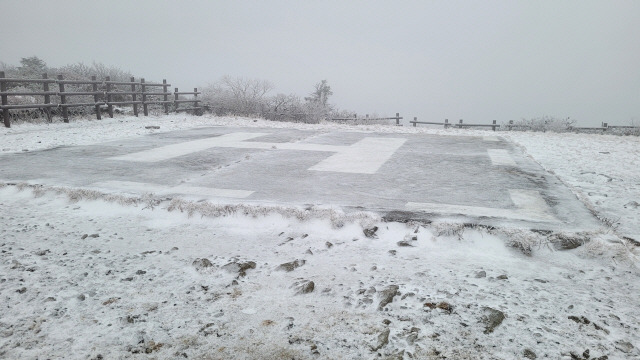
(104,93)
(397,118)
(459,125)
(603,127)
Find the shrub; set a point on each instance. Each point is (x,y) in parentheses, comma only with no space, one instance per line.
(544,124)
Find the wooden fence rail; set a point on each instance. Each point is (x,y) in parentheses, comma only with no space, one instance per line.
(110,95)
(397,118)
(459,125)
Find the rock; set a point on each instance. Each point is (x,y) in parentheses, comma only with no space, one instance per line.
(201,264)
(404,243)
(567,242)
(386,321)
(392,252)
(84,236)
(383,339)
(371,232)
(407,295)
(445,306)
(22,290)
(314,349)
(491,319)
(50,298)
(152,346)
(292,265)
(94,235)
(329,245)
(624,346)
(304,286)
(386,295)
(441,305)
(502,277)
(110,301)
(208,329)
(152,127)
(42,252)
(529,354)
(481,274)
(632,204)
(309,252)
(598,327)
(140,272)
(239,267)
(580,320)
(395,356)
(81,297)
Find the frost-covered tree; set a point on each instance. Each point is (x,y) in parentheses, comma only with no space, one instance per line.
(321,93)
(237,96)
(317,103)
(32,67)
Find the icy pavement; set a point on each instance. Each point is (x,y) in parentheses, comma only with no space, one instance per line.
(482,179)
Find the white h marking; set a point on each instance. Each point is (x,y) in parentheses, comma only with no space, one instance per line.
(501,157)
(185,148)
(364,157)
(530,207)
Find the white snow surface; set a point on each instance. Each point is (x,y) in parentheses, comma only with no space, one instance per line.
(602,170)
(89,276)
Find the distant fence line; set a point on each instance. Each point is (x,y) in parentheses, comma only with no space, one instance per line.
(510,126)
(397,118)
(460,124)
(110,96)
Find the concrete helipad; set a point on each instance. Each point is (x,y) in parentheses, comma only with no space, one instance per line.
(402,176)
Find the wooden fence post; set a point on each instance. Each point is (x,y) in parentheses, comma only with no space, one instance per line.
(415,121)
(109,106)
(195,102)
(446,123)
(63,99)
(460,126)
(397,119)
(175,101)
(145,107)
(166,97)
(5,112)
(133,97)
(510,125)
(94,86)
(47,97)
(494,125)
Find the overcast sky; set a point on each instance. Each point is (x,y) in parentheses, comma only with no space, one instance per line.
(475,60)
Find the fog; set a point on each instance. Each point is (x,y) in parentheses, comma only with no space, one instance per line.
(475,60)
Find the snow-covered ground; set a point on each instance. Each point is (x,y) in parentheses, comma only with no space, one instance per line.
(602,170)
(89,276)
